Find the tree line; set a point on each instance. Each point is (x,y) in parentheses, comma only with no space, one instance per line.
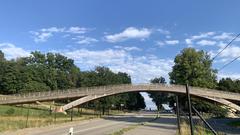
(53,71)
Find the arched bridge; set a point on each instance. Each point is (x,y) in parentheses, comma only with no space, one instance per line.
(86,94)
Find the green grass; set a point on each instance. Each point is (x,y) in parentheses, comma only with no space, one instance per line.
(234,124)
(15,117)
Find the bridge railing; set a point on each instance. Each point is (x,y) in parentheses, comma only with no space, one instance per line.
(101,90)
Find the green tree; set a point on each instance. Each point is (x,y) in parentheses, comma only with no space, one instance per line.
(159,98)
(195,68)
(227,84)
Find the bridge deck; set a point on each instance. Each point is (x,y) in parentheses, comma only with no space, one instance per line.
(111,90)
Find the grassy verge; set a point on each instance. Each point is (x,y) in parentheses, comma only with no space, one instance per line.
(13,117)
(198,130)
(234,124)
(124,130)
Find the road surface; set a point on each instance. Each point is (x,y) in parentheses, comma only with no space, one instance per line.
(106,126)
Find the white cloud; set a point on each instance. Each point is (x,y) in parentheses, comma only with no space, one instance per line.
(141,68)
(224,36)
(191,40)
(44,34)
(172,42)
(77,30)
(129,33)
(162,31)
(41,37)
(13,52)
(230,52)
(52,29)
(128,48)
(206,42)
(188,41)
(203,35)
(84,40)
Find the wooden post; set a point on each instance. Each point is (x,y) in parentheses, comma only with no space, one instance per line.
(178,115)
(72,114)
(27,116)
(189,109)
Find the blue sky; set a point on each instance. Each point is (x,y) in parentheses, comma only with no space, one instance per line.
(138,37)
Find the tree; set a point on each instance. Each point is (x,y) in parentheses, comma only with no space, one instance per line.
(43,72)
(158,97)
(227,84)
(104,76)
(195,68)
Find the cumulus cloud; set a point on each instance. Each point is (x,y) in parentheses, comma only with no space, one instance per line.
(206,42)
(141,68)
(44,34)
(224,36)
(230,52)
(13,52)
(129,33)
(205,35)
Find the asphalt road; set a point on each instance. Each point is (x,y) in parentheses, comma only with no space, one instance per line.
(108,125)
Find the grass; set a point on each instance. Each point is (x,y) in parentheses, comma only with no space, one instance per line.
(15,117)
(199,129)
(234,124)
(124,130)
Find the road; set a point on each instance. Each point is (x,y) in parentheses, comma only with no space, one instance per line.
(165,125)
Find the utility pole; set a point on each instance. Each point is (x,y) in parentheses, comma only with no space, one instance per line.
(178,115)
(189,109)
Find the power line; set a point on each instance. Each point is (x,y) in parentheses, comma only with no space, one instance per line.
(228,63)
(226,46)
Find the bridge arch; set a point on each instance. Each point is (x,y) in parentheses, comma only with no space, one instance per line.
(207,94)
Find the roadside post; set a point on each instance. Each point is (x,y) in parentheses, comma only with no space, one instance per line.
(71,131)
(27,116)
(189,109)
(178,115)
(72,114)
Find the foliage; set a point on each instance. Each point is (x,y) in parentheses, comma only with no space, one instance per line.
(227,84)
(193,67)
(44,72)
(158,97)
(104,76)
